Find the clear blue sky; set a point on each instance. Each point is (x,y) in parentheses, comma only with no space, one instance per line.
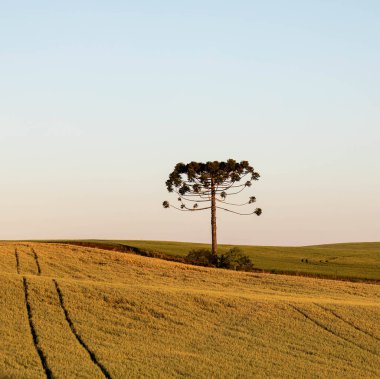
(99,100)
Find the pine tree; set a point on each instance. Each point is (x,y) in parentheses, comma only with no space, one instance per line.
(202,186)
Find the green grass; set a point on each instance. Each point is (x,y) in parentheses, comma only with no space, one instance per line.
(144,317)
(359,261)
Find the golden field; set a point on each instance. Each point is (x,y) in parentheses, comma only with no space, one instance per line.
(74,312)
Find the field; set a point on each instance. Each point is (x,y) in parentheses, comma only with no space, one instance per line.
(354,261)
(78,312)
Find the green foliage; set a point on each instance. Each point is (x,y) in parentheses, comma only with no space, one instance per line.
(235,259)
(202,256)
(200,173)
(210,184)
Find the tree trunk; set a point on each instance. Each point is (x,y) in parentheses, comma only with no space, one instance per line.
(213,218)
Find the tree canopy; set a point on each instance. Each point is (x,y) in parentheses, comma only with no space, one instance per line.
(197,184)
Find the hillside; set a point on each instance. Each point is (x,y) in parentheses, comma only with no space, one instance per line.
(354,261)
(70,311)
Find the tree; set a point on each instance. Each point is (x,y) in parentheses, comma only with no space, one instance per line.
(211,184)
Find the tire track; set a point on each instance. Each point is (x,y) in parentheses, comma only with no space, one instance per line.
(324,327)
(76,334)
(37,262)
(347,322)
(17,262)
(40,353)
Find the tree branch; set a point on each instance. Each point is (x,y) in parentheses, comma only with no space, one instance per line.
(195,201)
(238,213)
(235,193)
(188,209)
(235,205)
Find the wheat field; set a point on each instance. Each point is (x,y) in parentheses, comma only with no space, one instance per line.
(353,261)
(75,312)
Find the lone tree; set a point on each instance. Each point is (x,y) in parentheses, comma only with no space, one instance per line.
(211,184)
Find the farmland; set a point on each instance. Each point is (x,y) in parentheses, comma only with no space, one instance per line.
(354,261)
(70,311)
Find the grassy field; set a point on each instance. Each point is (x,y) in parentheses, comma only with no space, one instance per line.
(347,260)
(76,312)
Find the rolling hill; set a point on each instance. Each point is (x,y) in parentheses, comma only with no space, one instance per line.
(353,261)
(80,312)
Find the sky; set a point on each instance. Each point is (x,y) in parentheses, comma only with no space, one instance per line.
(100,99)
